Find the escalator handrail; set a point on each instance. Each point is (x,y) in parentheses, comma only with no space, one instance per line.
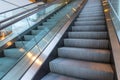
(7,19)
(17,8)
(35,11)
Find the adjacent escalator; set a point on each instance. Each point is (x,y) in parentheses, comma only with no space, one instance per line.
(86,53)
(25,42)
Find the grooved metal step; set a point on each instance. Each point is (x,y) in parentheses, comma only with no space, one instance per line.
(93,12)
(34,32)
(89,28)
(5,64)
(77,23)
(13,53)
(89,19)
(28,37)
(86,43)
(88,35)
(20,44)
(54,76)
(91,15)
(97,55)
(82,69)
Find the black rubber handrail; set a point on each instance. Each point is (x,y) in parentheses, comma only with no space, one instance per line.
(24,16)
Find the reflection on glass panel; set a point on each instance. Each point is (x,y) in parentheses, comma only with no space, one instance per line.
(116,6)
(15,50)
(115,13)
(20,26)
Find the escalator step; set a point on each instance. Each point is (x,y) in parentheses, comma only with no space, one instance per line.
(87,43)
(89,28)
(13,53)
(97,13)
(44,26)
(91,15)
(88,35)
(41,27)
(82,69)
(20,44)
(92,18)
(49,23)
(94,12)
(77,23)
(51,20)
(91,10)
(6,63)
(54,76)
(2,73)
(34,32)
(28,37)
(39,36)
(97,55)
(93,6)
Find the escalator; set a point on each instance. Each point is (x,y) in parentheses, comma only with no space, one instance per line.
(13,52)
(68,40)
(85,54)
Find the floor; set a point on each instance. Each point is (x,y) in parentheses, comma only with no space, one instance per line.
(11,4)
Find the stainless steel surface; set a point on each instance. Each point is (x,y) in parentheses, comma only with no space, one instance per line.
(113,38)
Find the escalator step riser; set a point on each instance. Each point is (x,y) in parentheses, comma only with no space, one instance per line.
(34,32)
(92,10)
(92,15)
(89,28)
(96,55)
(28,37)
(87,43)
(20,44)
(54,76)
(13,53)
(5,64)
(88,23)
(88,35)
(82,69)
(89,19)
